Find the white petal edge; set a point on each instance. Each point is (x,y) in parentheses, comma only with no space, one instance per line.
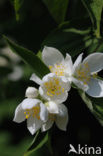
(47,125)
(78,61)
(66,83)
(33,124)
(19,114)
(95,62)
(29,103)
(62,118)
(36,79)
(95,88)
(51,56)
(48,76)
(80,84)
(69,64)
(41,91)
(61,98)
(43,112)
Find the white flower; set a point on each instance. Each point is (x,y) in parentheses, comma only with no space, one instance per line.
(56,62)
(59,115)
(34,111)
(31,92)
(84,74)
(53,87)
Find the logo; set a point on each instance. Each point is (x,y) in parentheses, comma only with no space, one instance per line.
(85,150)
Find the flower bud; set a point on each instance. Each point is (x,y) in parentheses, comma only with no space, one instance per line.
(31,92)
(52,107)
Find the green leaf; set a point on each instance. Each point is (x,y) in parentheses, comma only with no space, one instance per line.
(17,6)
(95,46)
(39,68)
(39,140)
(69,39)
(39,54)
(86,100)
(57,8)
(94,8)
(95,105)
(12,1)
(98,108)
(79,24)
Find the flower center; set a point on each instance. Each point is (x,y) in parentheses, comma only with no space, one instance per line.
(83,73)
(34,112)
(59,70)
(53,87)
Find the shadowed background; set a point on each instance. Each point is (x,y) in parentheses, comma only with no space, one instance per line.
(31,30)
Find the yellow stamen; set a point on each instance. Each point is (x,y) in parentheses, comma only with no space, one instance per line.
(58,69)
(83,74)
(34,112)
(53,87)
(27,116)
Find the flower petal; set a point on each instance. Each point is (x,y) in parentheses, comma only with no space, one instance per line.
(33,124)
(69,64)
(51,56)
(79,84)
(95,88)
(78,61)
(95,62)
(62,117)
(47,125)
(43,112)
(65,83)
(62,87)
(29,103)
(61,98)
(36,79)
(31,92)
(48,76)
(19,114)
(41,92)
(56,98)
(52,107)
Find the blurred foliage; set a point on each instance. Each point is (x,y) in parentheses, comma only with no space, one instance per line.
(17,6)
(95,10)
(71,26)
(57,9)
(30,58)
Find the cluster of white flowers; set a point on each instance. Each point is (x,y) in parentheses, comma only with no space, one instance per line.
(44,106)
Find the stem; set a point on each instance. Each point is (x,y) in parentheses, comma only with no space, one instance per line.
(49,144)
(97,31)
